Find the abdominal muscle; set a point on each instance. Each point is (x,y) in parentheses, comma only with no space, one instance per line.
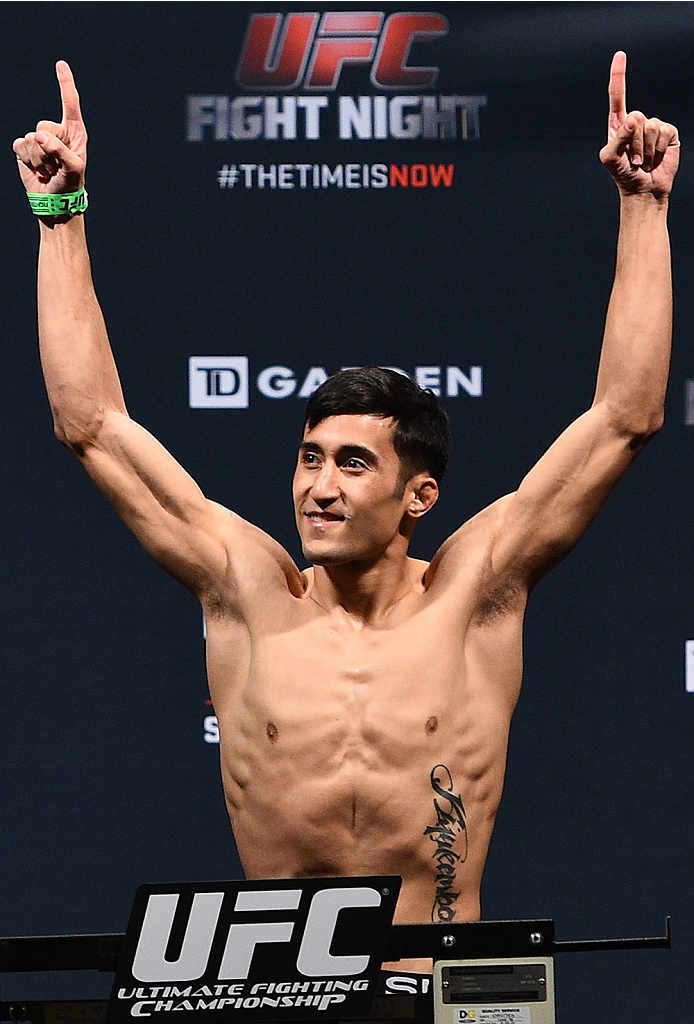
(381,768)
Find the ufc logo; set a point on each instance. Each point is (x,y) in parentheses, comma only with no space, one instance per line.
(283,52)
(314,959)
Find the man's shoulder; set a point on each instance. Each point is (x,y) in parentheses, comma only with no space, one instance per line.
(466,569)
(475,536)
(255,560)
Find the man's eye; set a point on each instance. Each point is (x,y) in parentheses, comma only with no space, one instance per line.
(354,464)
(310,459)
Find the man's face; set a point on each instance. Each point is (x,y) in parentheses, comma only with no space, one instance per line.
(347,490)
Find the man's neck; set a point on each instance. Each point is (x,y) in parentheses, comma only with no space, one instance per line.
(365,592)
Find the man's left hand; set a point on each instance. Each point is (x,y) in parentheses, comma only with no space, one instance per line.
(642,154)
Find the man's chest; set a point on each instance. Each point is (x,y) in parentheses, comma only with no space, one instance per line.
(350,657)
(426,661)
(322,700)
(379,690)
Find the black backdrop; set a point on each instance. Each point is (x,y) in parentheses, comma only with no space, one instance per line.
(108,780)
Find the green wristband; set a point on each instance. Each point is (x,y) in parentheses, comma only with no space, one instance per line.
(48,204)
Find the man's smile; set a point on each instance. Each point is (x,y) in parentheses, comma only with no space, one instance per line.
(321,518)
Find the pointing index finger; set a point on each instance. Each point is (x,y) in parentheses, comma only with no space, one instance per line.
(617,91)
(68,92)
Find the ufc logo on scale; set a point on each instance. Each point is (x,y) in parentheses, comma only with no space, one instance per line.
(310,50)
(277,949)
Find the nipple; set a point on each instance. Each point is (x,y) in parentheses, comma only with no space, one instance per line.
(272,732)
(431,725)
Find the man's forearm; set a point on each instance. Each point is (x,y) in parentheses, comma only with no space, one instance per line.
(635,357)
(642,155)
(78,365)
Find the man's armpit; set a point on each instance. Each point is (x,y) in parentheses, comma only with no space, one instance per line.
(505,598)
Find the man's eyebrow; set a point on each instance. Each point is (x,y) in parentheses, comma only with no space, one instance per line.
(345,451)
(357,451)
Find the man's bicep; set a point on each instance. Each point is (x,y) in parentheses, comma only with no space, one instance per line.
(561,495)
(158,501)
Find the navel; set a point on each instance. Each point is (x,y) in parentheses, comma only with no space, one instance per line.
(431,725)
(272,732)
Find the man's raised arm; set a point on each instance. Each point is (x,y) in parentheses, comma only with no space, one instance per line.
(561,495)
(153,494)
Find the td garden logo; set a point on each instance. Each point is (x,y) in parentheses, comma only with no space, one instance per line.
(226,382)
(291,65)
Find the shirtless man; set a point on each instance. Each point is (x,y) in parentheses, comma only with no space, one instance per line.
(372,691)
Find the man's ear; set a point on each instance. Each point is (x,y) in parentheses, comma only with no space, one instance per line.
(424,493)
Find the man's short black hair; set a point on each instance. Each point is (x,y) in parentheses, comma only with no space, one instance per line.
(422,437)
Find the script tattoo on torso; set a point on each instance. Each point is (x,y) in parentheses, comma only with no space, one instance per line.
(450,825)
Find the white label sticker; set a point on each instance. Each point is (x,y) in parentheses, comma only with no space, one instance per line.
(495,1015)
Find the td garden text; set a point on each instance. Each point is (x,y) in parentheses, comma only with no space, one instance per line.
(247,118)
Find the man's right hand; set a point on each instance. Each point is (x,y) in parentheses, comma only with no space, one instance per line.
(53,158)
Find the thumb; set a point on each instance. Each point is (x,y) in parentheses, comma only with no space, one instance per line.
(619,143)
(70,163)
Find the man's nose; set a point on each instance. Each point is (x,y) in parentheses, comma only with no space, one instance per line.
(325,485)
